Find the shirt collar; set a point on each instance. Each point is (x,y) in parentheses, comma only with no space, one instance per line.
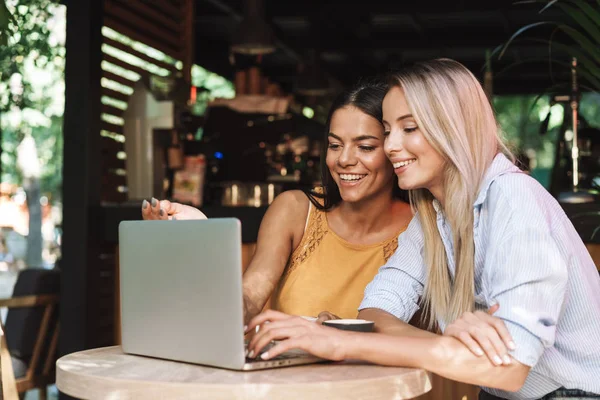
(500,165)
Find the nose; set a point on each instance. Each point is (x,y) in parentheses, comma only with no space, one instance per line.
(347,157)
(393,143)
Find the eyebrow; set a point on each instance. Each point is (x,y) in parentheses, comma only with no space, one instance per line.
(400,118)
(354,139)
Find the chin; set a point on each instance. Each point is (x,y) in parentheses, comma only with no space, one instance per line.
(351,197)
(407,185)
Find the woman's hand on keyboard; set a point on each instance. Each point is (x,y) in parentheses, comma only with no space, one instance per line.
(294,332)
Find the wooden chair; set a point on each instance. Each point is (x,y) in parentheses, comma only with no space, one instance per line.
(30,338)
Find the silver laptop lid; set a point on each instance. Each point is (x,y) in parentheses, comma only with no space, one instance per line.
(181,290)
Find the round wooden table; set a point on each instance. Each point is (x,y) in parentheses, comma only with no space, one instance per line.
(108,373)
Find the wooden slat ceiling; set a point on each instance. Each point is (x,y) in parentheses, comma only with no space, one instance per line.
(359,38)
(159,24)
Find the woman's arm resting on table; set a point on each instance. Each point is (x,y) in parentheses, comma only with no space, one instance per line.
(280,231)
(442,355)
(390,325)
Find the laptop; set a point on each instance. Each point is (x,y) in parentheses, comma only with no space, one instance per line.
(181,294)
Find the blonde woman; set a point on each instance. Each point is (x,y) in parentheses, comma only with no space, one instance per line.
(485,235)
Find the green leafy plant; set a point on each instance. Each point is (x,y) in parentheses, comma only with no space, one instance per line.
(576,35)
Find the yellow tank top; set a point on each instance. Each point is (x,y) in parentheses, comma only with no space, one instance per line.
(327,273)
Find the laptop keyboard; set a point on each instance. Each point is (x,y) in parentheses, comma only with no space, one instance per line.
(284,356)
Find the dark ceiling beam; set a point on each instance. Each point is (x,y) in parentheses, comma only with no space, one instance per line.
(392,43)
(303,7)
(216,59)
(390,40)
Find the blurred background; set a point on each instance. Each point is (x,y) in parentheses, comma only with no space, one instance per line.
(221,104)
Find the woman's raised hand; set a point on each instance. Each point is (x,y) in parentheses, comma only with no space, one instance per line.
(164,209)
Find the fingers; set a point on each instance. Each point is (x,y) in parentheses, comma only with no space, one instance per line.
(262,339)
(471,344)
(492,310)
(325,316)
(146,210)
(482,328)
(298,342)
(490,342)
(158,210)
(261,318)
(171,207)
(151,210)
(501,329)
(282,328)
(166,206)
(268,327)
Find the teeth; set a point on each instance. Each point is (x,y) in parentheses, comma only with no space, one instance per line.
(351,177)
(404,163)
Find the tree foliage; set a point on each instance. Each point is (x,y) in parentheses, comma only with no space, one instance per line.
(32,87)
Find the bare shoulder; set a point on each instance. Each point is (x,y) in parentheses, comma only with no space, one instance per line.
(292,203)
(289,210)
(284,220)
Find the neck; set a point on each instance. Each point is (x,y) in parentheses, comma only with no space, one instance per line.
(438,193)
(369,214)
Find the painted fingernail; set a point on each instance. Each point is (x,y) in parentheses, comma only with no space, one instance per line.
(506,359)
(154,202)
(251,354)
(162,212)
(265,355)
(497,360)
(479,352)
(144,204)
(512,345)
(245,326)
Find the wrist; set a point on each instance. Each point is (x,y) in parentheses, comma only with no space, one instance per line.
(440,352)
(351,345)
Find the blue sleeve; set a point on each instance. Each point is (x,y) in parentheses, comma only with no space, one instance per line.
(398,285)
(527,276)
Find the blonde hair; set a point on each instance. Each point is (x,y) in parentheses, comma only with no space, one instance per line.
(457,119)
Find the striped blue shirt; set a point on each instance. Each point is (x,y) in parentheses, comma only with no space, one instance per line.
(530,260)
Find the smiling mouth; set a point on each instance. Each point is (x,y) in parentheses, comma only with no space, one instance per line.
(351,177)
(401,164)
